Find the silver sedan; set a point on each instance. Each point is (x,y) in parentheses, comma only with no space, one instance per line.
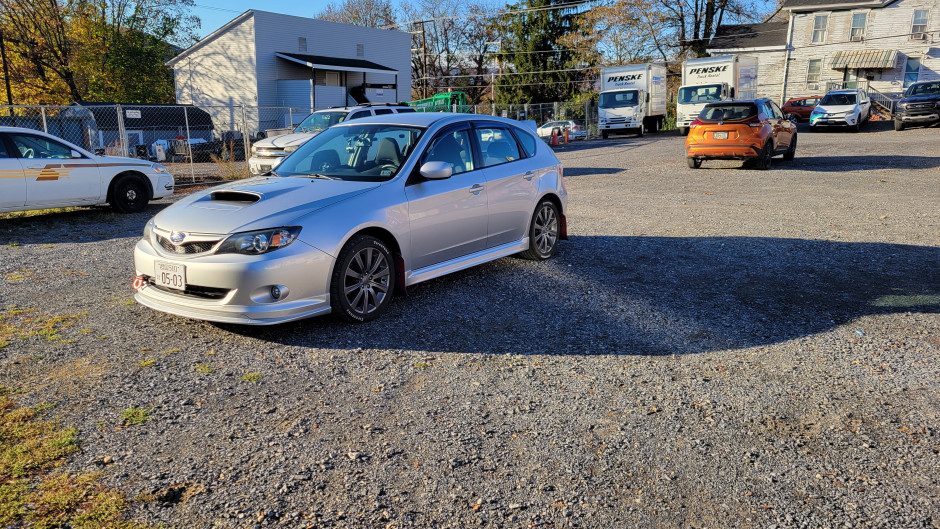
(360,212)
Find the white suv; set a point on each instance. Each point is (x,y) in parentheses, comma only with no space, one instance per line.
(266,154)
(841,108)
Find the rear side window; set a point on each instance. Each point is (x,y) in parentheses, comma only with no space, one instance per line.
(406,110)
(527,141)
(382,111)
(360,114)
(3,149)
(728,112)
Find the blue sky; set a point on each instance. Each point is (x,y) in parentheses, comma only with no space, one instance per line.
(215,13)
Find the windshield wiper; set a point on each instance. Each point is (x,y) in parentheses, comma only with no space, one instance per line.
(321,176)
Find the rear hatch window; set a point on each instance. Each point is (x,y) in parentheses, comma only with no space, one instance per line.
(728,112)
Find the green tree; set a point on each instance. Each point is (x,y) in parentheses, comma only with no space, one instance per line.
(537,66)
(63,51)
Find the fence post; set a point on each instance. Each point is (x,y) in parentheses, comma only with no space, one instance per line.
(45,128)
(122,133)
(189,145)
(290,116)
(246,142)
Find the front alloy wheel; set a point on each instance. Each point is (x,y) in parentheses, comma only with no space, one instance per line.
(363,280)
(544,232)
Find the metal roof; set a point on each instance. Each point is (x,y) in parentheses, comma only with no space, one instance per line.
(750,36)
(335,63)
(870,59)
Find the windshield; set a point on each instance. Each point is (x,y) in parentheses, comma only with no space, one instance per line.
(320,120)
(699,94)
(839,99)
(627,98)
(367,152)
(923,89)
(728,112)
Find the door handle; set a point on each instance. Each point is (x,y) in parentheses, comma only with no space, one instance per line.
(476,188)
(529,175)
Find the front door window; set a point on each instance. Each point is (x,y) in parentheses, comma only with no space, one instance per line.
(911,71)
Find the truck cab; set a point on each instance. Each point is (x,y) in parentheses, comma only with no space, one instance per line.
(690,100)
(621,109)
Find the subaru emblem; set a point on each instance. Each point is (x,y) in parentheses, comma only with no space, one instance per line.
(177,237)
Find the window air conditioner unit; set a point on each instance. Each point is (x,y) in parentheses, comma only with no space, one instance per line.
(813,86)
(918,36)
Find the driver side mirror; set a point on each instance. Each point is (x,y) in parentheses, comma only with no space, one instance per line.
(76,154)
(436,170)
(793,118)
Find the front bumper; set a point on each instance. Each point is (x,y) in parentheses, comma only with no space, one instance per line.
(821,120)
(917,116)
(260,165)
(235,288)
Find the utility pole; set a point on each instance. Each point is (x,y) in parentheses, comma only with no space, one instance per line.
(6,71)
(424,53)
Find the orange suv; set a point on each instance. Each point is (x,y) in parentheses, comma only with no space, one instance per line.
(753,130)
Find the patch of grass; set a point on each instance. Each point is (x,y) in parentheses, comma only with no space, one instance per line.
(32,496)
(422,365)
(205,369)
(12,244)
(228,168)
(147,363)
(253,378)
(23,324)
(19,276)
(36,212)
(135,415)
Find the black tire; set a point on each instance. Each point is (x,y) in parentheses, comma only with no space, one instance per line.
(363,281)
(640,130)
(130,194)
(683,131)
(693,163)
(544,232)
(858,125)
(898,125)
(604,134)
(763,160)
(813,128)
(791,150)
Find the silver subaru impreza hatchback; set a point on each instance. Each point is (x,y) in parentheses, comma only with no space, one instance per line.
(360,212)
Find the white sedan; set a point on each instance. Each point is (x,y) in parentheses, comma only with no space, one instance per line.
(38,171)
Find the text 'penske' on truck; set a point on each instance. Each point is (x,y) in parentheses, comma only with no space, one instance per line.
(632,99)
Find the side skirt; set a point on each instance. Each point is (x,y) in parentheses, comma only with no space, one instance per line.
(437,270)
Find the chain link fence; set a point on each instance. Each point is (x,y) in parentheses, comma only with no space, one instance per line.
(208,142)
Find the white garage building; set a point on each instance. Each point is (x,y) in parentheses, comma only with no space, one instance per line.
(263,59)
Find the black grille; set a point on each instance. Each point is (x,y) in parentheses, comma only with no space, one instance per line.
(919,106)
(193,290)
(185,248)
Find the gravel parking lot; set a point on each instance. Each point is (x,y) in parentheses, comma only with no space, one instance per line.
(711,348)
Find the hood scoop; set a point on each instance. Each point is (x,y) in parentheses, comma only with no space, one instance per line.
(230,195)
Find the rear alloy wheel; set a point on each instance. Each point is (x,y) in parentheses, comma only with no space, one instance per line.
(129,194)
(694,163)
(791,150)
(544,231)
(764,157)
(363,280)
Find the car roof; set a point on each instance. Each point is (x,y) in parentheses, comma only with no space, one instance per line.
(734,101)
(358,107)
(844,91)
(428,119)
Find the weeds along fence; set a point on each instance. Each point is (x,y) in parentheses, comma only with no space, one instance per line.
(211,141)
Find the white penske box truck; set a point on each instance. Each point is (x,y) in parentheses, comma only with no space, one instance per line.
(713,79)
(632,99)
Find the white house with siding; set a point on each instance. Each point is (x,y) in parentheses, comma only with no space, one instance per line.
(266,62)
(880,45)
(767,42)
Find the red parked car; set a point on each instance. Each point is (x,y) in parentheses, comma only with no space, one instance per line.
(801,107)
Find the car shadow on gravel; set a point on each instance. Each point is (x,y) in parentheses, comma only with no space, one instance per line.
(643,296)
(841,164)
(78,225)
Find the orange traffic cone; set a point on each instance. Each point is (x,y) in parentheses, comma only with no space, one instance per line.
(554,138)
(566,135)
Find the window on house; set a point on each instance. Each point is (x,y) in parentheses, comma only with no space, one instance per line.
(302,43)
(820,27)
(919,26)
(858,26)
(911,71)
(813,70)
(360,50)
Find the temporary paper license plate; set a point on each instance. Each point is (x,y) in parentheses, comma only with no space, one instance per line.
(170,275)
(720,135)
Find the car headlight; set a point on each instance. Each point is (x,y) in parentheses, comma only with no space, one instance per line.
(254,149)
(259,242)
(159,168)
(148,229)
